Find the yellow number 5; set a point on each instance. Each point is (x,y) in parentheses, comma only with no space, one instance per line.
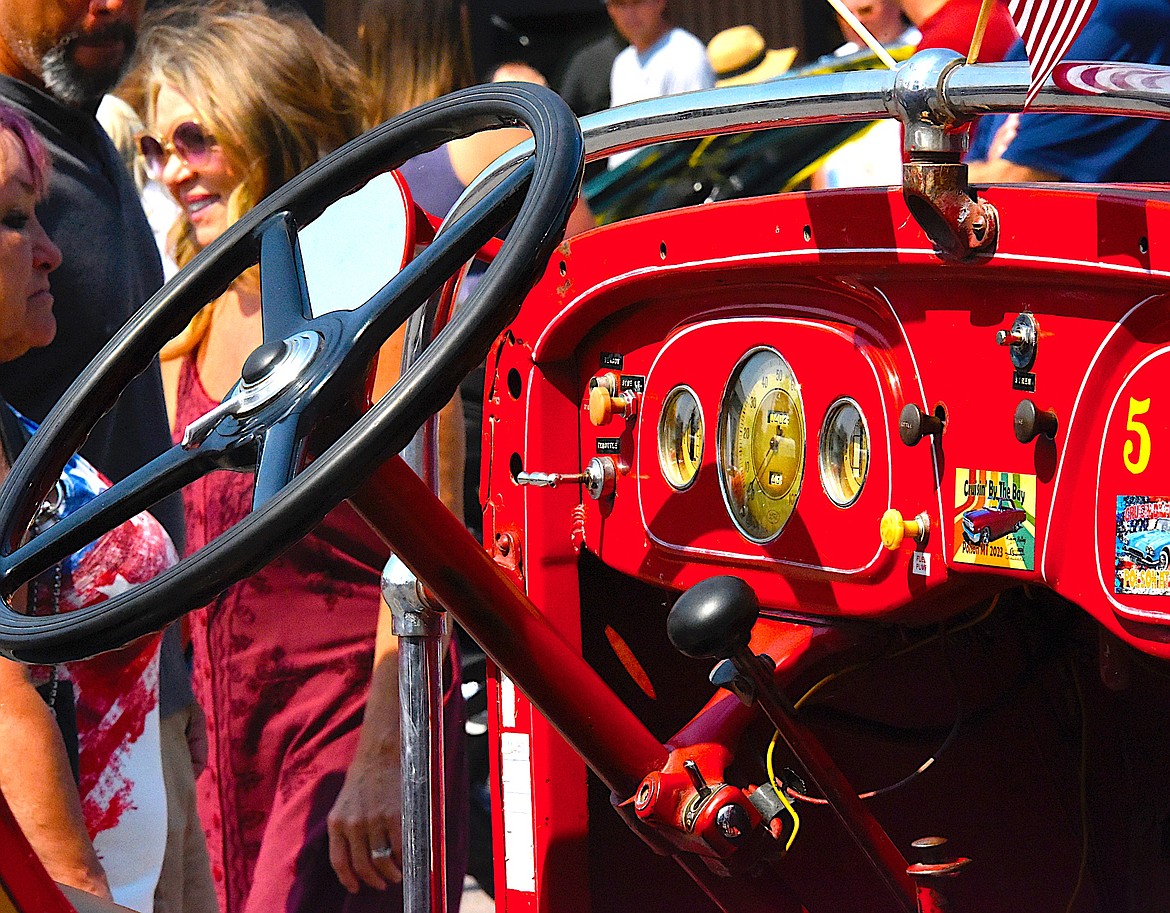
(1137,465)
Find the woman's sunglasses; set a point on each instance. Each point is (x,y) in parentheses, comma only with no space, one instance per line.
(189,141)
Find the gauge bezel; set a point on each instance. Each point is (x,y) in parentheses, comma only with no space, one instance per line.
(675,391)
(794,395)
(836,404)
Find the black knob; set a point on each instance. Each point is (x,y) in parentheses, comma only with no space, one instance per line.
(1031,422)
(262,360)
(714,618)
(914,425)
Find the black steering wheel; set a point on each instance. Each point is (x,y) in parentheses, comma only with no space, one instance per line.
(307,373)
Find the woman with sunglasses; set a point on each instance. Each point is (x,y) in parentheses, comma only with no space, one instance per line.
(79,743)
(238,102)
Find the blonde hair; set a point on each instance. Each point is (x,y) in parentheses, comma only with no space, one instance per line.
(413,51)
(276,94)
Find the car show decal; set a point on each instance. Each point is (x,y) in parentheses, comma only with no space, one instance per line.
(1142,546)
(995,519)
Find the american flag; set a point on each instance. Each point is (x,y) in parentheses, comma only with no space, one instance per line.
(1048,28)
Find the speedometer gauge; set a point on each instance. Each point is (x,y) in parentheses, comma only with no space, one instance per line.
(761,444)
(680,437)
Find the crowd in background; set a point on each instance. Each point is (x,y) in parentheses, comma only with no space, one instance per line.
(252,790)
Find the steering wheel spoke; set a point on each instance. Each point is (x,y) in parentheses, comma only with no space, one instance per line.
(284,292)
(164,475)
(281,451)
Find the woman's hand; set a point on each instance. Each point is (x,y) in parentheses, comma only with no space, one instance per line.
(365,824)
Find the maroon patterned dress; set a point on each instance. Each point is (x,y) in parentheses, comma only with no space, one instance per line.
(282,664)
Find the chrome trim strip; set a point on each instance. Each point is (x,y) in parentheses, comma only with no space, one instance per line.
(964,91)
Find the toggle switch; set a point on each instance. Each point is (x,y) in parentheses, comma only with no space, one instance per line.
(1031,422)
(1022,340)
(895,530)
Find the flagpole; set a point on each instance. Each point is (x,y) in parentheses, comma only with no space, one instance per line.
(854,23)
(980,29)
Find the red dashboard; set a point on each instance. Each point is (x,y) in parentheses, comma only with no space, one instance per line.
(771,390)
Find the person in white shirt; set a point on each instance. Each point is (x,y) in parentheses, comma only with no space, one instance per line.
(874,157)
(661,59)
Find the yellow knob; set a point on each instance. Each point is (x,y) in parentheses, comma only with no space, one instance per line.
(603,404)
(600,405)
(895,529)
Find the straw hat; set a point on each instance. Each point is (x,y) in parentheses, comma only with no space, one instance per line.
(740,55)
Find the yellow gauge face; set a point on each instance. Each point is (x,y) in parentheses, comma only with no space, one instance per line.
(844,452)
(761,444)
(680,437)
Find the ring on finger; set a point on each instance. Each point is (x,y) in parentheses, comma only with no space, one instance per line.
(382,852)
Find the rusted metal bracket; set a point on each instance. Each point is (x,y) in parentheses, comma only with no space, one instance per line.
(934,178)
(942,203)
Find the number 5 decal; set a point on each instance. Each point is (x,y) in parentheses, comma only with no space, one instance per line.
(1137,465)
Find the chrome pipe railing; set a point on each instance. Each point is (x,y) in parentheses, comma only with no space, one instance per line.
(961,92)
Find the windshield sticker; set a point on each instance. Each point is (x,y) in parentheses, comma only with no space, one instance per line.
(995,519)
(1143,546)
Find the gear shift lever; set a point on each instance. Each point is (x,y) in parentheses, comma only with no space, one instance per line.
(714,620)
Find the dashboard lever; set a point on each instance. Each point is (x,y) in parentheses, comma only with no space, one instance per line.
(914,425)
(1030,422)
(599,478)
(548,479)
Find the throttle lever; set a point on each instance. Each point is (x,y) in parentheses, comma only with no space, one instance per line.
(599,478)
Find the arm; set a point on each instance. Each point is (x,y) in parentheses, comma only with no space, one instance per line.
(368,812)
(1002,171)
(452,437)
(999,170)
(38,784)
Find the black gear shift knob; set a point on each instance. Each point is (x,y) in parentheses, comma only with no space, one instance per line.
(714,618)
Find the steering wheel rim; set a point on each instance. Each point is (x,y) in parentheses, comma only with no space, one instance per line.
(539,198)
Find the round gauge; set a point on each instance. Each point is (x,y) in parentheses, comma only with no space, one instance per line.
(844,452)
(761,444)
(680,437)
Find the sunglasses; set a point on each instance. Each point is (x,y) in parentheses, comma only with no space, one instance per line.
(189,141)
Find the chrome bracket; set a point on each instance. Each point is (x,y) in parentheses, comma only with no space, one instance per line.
(934,178)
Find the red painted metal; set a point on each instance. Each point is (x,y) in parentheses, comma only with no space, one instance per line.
(847,288)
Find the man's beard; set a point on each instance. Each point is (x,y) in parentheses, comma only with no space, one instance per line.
(77,87)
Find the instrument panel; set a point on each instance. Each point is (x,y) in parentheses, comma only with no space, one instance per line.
(813,402)
(764,422)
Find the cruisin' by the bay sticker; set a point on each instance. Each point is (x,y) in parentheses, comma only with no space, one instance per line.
(995,519)
(1142,546)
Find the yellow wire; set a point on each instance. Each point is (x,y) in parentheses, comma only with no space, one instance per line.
(863,33)
(832,675)
(699,150)
(783,798)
